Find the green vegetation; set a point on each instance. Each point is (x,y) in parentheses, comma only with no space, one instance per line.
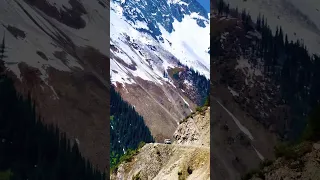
(292,151)
(303,145)
(5,175)
(285,150)
(127,129)
(207,101)
(205,105)
(295,149)
(312,130)
(199,109)
(127,157)
(174,72)
(201,85)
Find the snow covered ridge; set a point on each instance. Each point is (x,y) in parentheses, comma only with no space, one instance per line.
(34,35)
(146,46)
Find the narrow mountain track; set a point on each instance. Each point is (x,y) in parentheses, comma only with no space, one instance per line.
(182,146)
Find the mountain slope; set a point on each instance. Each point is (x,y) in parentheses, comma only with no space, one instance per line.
(53,53)
(151,57)
(263,82)
(187,158)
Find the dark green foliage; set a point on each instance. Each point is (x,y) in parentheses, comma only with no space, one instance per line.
(293,150)
(199,109)
(200,83)
(127,129)
(176,76)
(312,130)
(127,157)
(5,175)
(285,150)
(207,101)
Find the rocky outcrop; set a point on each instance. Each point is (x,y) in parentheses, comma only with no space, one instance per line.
(194,130)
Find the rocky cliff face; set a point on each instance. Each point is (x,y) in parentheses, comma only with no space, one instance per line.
(187,158)
(194,130)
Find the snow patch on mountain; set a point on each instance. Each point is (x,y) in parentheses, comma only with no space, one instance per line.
(27,49)
(189,43)
(39,29)
(138,53)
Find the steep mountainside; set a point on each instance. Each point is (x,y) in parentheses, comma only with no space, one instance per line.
(264,86)
(57,50)
(188,157)
(155,62)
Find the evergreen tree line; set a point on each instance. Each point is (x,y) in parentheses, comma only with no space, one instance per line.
(201,83)
(127,128)
(32,150)
(287,63)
